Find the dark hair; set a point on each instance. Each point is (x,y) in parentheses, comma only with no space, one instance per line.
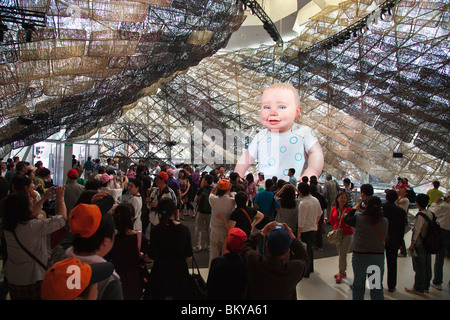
(436,184)
(19,182)
(367,189)
(136,182)
(305,179)
(292,170)
(280,183)
(422,200)
(4,187)
(165,209)
(93,184)
(85,197)
(250,178)
(21,164)
(241,199)
(221,192)
(182,171)
(391,196)
(373,209)
(93,243)
(208,178)
(269,184)
(287,198)
(303,188)
(347,180)
(16,210)
(42,172)
(124,217)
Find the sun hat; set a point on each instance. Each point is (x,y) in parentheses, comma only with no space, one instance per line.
(104,178)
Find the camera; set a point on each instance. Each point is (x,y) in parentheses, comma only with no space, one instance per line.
(54,189)
(279,226)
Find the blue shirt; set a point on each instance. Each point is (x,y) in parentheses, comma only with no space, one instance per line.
(266,203)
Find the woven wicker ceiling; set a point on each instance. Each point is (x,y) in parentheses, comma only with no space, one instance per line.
(94,57)
(381,92)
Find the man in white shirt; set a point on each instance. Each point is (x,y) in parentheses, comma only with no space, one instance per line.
(308,218)
(222,204)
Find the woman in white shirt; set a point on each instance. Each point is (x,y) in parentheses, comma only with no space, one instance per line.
(23,230)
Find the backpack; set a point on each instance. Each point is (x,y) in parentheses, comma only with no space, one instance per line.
(432,242)
(411,195)
(203,201)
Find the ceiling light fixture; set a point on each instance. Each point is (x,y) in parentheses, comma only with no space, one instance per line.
(268,25)
(363,25)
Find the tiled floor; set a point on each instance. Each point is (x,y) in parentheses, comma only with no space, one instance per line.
(322,286)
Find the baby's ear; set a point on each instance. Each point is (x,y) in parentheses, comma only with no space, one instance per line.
(298,111)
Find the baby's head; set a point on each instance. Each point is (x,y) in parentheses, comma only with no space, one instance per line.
(280,106)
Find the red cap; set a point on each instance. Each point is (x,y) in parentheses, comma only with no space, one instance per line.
(72,173)
(236,239)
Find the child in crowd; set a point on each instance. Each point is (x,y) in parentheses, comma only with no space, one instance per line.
(283,144)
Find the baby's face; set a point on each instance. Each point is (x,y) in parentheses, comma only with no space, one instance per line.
(278,109)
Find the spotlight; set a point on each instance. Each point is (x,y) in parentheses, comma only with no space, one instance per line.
(383,13)
(250,7)
(26,121)
(29,28)
(3,28)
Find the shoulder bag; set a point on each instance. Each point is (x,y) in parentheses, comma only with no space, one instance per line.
(197,283)
(144,274)
(29,253)
(335,236)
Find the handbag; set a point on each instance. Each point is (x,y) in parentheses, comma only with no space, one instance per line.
(197,284)
(335,236)
(29,253)
(144,274)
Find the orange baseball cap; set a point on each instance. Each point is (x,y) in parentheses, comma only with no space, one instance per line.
(68,278)
(163,175)
(224,184)
(85,219)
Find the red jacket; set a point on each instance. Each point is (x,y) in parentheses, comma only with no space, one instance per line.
(334,220)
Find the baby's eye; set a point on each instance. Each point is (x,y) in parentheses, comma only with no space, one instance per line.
(266,107)
(282,107)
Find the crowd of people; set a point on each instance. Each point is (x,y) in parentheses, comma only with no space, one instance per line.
(123,229)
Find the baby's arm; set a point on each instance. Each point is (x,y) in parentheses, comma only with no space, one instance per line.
(244,162)
(315,162)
